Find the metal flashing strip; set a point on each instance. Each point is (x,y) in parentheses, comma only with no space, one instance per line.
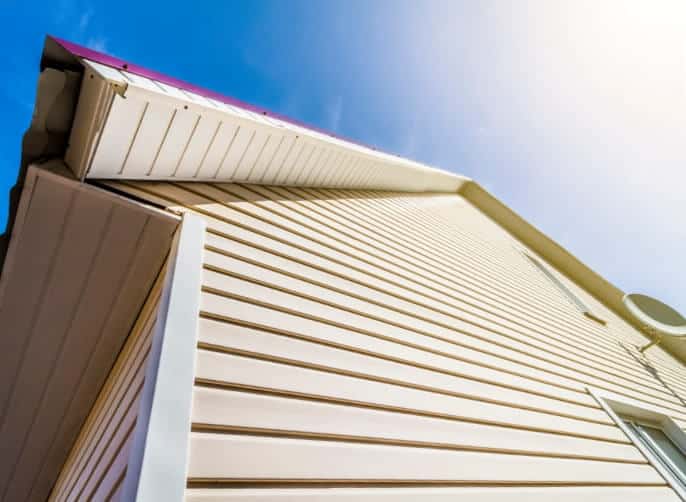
(159,455)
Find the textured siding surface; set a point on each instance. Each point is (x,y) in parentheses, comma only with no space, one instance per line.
(97,463)
(389,346)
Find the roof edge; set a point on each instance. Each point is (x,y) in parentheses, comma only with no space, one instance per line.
(80,51)
(563,260)
(366,165)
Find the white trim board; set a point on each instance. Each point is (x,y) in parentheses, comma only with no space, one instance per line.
(159,455)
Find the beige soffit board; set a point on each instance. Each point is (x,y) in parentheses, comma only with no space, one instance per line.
(560,258)
(129,126)
(79,267)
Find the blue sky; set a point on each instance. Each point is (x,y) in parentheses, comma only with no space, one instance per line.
(571,112)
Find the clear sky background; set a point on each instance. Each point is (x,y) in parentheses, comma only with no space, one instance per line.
(571,112)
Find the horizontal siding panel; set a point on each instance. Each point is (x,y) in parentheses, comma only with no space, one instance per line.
(327,235)
(351,339)
(330,231)
(237,410)
(502,261)
(477,223)
(366,298)
(481,359)
(406,242)
(317,310)
(451,494)
(249,372)
(237,338)
(190,198)
(377,244)
(226,456)
(371,236)
(553,367)
(102,460)
(237,214)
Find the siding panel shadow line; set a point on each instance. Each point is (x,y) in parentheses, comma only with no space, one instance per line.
(373,378)
(344,438)
(505,334)
(225,385)
(226,294)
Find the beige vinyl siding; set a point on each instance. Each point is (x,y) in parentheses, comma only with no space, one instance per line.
(377,341)
(96,465)
(409,494)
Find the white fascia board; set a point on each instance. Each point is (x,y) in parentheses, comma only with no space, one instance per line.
(151,130)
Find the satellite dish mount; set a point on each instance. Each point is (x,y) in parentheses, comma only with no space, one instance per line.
(658,319)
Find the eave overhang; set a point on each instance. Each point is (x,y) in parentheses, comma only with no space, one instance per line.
(134,123)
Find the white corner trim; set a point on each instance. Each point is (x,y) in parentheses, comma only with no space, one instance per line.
(159,454)
(614,405)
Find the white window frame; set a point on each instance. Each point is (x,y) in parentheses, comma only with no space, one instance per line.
(569,294)
(620,406)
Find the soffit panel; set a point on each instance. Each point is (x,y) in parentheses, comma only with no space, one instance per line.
(151,130)
(80,265)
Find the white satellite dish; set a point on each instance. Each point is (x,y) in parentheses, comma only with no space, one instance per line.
(657,318)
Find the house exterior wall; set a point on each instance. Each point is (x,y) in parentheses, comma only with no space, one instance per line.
(97,463)
(392,346)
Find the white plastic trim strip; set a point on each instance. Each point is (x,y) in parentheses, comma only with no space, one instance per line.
(159,454)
